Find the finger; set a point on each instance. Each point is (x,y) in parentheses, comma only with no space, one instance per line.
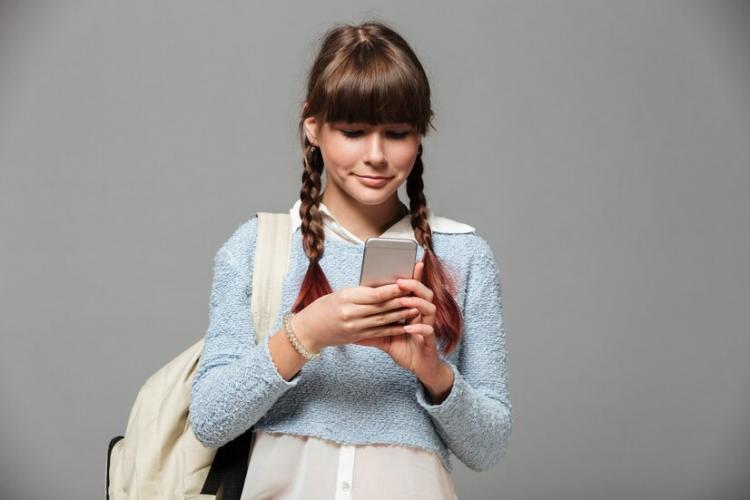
(362,310)
(416,287)
(386,318)
(425,307)
(382,331)
(426,332)
(419,270)
(372,295)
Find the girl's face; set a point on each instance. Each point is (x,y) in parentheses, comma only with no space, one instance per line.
(366,162)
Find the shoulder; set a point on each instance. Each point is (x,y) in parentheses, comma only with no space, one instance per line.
(462,234)
(463,239)
(241,242)
(446,225)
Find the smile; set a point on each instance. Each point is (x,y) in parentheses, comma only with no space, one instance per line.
(372,181)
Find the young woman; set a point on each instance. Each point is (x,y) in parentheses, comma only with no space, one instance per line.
(346,399)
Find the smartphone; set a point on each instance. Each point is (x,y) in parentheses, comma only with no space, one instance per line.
(387,259)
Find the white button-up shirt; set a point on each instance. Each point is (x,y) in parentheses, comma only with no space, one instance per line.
(334,230)
(290,467)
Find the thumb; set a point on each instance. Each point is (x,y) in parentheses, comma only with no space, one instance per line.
(418,270)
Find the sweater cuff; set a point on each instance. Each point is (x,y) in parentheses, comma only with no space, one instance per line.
(448,405)
(269,371)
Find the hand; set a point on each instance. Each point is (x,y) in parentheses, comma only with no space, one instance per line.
(416,349)
(351,314)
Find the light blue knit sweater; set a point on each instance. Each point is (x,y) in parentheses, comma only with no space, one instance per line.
(354,394)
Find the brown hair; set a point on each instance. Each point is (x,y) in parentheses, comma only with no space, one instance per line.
(369,73)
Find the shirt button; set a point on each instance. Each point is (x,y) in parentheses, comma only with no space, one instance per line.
(345,486)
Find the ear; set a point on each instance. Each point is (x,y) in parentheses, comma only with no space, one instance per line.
(311,129)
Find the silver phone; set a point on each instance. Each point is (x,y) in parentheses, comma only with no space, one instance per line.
(387,259)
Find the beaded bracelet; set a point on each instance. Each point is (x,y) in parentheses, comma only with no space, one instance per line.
(294,340)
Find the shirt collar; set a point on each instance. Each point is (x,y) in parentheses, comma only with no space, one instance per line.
(333,229)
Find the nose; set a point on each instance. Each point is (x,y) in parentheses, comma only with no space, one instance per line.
(375,154)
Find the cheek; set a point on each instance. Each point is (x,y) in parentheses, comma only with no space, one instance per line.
(403,157)
(342,154)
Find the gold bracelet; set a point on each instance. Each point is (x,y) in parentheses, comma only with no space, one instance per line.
(294,340)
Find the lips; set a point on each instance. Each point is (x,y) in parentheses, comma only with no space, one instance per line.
(373,182)
(376,177)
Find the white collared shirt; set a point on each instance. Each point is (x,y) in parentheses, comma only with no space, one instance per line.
(401,229)
(290,467)
(334,230)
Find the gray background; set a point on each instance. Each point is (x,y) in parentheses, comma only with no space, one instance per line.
(601,147)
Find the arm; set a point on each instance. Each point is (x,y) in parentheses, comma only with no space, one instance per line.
(236,381)
(475,417)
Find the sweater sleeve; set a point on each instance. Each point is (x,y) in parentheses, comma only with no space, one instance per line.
(475,418)
(236,381)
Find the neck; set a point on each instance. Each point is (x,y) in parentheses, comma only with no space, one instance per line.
(364,221)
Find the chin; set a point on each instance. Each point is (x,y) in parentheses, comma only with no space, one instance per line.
(371,197)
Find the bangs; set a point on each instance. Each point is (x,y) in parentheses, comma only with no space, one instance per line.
(367,87)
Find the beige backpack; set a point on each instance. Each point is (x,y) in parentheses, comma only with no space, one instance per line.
(159,457)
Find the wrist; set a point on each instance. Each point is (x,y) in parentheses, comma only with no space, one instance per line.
(440,384)
(303,334)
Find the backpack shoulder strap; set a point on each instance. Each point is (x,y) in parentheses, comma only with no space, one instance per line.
(272,247)
(272,250)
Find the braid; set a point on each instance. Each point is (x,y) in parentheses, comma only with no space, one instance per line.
(310,196)
(448,321)
(315,284)
(418,203)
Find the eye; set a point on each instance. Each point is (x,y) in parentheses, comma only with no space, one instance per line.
(399,135)
(351,133)
(356,133)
